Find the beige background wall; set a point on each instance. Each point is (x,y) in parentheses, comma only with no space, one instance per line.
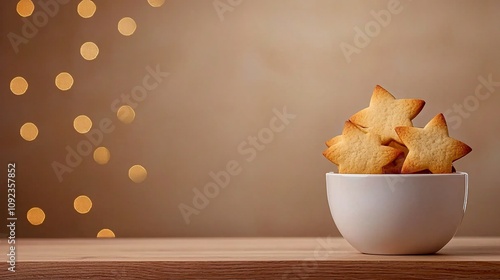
(228,72)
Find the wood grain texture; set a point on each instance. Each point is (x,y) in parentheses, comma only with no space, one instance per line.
(244,258)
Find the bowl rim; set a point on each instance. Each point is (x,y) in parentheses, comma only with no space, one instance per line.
(391,177)
(458,173)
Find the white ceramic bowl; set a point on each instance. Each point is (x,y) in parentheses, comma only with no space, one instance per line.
(397,214)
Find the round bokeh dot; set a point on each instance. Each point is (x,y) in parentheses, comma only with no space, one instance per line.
(18,85)
(125,114)
(29,131)
(89,50)
(82,204)
(86,8)
(25,8)
(64,81)
(35,216)
(82,124)
(156,3)
(137,173)
(127,26)
(102,155)
(105,233)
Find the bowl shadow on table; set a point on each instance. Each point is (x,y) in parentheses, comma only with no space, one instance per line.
(467,251)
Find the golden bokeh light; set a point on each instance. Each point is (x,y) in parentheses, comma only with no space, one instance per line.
(29,131)
(89,50)
(82,124)
(105,233)
(25,8)
(137,173)
(64,81)
(18,85)
(127,26)
(86,8)
(82,204)
(102,155)
(126,114)
(35,216)
(156,3)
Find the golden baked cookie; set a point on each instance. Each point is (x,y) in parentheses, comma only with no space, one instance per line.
(430,147)
(395,166)
(333,140)
(385,113)
(357,152)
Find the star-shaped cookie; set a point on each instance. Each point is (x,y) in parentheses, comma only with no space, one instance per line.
(396,166)
(334,140)
(357,152)
(385,113)
(431,147)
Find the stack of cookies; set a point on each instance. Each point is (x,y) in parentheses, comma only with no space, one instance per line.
(381,139)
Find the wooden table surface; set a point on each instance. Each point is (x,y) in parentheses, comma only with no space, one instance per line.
(243,258)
